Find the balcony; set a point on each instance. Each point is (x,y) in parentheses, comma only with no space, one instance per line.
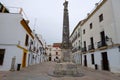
(90,48)
(74,50)
(101,45)
(84,49)
(74,38)
(78,34)
(79,48)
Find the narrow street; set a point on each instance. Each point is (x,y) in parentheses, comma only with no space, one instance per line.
(40,72)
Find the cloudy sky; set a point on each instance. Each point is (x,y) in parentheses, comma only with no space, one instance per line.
(46,16)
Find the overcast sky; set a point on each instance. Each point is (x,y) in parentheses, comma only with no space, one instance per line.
(46,16)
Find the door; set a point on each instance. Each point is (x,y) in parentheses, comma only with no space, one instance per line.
(105,62)
(85,60)
(50,58)
(92,58)
(24,59)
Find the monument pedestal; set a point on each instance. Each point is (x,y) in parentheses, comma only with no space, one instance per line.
(66,55)
(66,68)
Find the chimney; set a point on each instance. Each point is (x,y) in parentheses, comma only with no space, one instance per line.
(20,10)
(27,21)
(88,14)
(96,4)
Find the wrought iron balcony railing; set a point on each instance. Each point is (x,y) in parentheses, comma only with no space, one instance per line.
(101,44)
(84,49)
(90,47)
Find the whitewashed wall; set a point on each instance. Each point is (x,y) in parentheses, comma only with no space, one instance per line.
(12,33)
(10,52)
(116,11)
(113,58)
(11,29)
(111,26)
(108,24)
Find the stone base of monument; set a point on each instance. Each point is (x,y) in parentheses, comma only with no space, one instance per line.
(66,69)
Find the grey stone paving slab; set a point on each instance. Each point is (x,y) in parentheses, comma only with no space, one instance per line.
(38,78)
(40,72)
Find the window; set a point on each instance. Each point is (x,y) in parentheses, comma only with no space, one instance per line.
(79,44)
(84,31)
(56,53)
(101,18)
(76,43)
(49,54)
(78,32)
(91,25)
(31,42)
(84,43)
(2,53)
(26,40)
(92,42)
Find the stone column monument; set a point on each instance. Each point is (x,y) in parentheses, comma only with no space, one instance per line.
(66,44)
(66,67)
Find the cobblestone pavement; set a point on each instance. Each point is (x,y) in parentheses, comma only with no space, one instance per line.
(40,72)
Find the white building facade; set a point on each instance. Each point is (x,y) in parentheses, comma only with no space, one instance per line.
(54,53)
(37,53)
(76,44)
(18,44)
(99,37)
